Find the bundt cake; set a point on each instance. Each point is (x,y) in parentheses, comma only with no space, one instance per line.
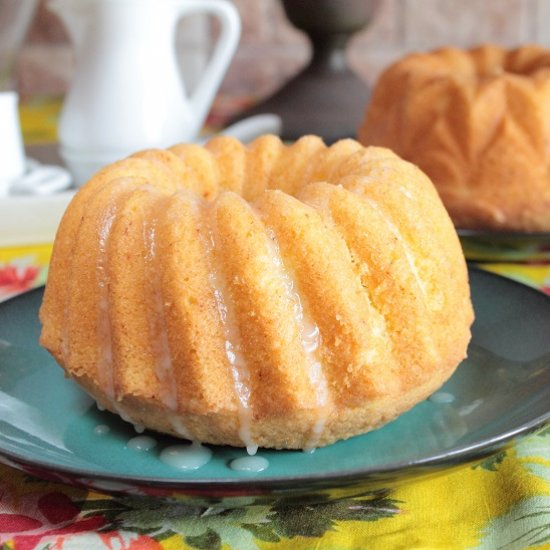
(478,123)
(270,295)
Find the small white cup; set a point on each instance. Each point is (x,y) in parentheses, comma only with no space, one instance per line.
(12,153)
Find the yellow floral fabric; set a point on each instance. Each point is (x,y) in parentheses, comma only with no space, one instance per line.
(501,503)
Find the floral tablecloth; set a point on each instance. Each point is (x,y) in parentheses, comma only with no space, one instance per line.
(501,503)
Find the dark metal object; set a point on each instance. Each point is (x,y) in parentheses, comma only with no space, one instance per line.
(326,98)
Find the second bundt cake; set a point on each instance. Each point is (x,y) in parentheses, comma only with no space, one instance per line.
(478,123)
(262,295)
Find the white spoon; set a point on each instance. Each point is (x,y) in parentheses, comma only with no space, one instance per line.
(250,128)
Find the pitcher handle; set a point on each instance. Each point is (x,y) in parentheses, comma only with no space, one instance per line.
(205,90)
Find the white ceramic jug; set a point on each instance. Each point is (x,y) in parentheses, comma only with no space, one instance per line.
(12,163)
(127,93)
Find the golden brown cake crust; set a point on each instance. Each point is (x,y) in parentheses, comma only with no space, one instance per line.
(477,122)
(271,295)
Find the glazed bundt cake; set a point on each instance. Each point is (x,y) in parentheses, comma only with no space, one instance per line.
(478,123)
(261,295)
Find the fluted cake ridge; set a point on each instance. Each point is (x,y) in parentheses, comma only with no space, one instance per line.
(270,295)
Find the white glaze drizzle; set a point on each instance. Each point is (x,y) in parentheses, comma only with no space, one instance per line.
(126,414)
(378,326)
(65,333)
(186,457)
(164,368)
(141,443)
(102,429)
(310,337)
(159,335)
(252,464)
(377,329)
(104,341)
(430,346)
(172,417)
(178,425)
(157,321)
(465,410)
(442,397)
(397,234)
(118,408)
(233,351)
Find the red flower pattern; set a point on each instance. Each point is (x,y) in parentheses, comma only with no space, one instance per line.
(17,279)
(52,518)
(51,514)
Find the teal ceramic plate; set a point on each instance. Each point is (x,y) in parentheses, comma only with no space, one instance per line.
(49,427)
(541,237)
(504,245)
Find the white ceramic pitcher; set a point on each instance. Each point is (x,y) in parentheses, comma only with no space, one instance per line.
(127,93)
